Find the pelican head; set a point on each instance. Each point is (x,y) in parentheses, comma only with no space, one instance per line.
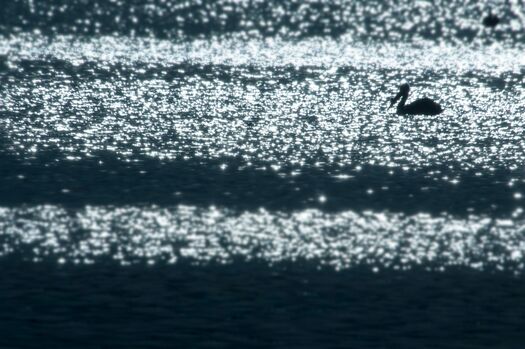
(403,91)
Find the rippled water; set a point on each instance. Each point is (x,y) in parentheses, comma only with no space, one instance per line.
(309,116)
(280,103)
(345,240)
(201,137)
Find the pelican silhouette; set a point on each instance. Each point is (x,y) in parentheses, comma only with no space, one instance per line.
(423,106)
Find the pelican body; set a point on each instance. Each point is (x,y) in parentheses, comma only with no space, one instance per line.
(423,106)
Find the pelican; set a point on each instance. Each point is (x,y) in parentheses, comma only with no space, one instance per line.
(423,106)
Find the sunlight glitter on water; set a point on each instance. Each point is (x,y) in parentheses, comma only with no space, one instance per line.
(400,20)
(271,52)
(343,240)
(274,101)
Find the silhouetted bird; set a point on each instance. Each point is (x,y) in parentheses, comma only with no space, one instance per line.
(491,20)
(423,106)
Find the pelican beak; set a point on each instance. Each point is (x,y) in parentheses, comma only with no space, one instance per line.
(394,100)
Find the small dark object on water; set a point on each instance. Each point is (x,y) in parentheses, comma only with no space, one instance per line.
(491,20)
(423,106)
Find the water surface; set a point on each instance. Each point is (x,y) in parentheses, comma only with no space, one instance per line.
(178,160)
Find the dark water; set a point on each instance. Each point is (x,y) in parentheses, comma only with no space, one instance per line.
(227,174)
(253,305)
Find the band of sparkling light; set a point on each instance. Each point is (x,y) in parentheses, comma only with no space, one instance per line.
(339,240)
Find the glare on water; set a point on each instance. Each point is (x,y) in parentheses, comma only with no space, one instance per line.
(348,239)
(279,102)
(273,104)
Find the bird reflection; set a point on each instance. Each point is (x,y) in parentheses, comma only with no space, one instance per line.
(423,106)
